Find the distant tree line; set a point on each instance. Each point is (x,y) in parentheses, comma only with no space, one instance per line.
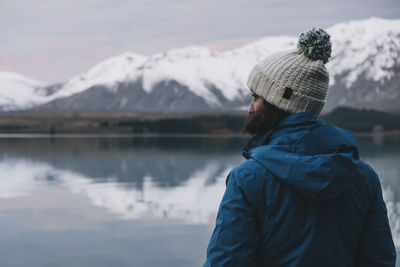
(359,121)
(363,121)
(203,124)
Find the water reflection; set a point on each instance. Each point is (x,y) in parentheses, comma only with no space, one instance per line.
(154,178)
(133,178)
(383,154)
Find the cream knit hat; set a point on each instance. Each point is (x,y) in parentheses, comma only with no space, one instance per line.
(296,80)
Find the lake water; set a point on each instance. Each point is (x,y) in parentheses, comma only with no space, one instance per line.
(130,201)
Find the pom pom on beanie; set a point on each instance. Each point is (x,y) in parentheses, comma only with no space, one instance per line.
(315,44)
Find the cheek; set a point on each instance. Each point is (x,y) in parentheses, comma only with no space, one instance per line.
(259,104)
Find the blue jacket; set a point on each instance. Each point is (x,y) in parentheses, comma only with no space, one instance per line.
(303,198)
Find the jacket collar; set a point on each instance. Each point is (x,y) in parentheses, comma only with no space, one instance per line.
(293,122)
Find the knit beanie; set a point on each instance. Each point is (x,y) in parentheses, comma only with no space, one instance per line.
(295,80)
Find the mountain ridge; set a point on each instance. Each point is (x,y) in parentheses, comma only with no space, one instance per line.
(364,68)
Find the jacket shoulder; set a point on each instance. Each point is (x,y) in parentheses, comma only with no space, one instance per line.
(327,139)
(370,178)
(251,179)
(248,171)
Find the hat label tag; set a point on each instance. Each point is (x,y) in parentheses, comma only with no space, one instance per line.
(287,94)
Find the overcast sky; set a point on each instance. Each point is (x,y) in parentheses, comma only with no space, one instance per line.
(53,40)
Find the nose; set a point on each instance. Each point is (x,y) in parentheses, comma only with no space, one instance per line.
(251,108)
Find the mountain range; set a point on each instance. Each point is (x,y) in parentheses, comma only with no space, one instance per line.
(364,72)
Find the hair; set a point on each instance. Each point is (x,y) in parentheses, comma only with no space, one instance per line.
(259,122)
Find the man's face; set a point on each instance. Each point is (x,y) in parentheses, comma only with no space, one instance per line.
(262,117)
(255,123)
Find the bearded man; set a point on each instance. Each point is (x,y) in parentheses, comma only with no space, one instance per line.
(303,197)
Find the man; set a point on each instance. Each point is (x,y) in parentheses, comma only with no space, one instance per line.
(303,197)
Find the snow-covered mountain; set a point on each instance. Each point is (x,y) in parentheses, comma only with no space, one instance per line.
(20,92)
(364,71)
(365,65)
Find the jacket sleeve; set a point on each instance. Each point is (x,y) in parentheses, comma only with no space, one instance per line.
(376,246)
(236,236)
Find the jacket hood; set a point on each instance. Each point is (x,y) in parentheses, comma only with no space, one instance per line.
(313,158)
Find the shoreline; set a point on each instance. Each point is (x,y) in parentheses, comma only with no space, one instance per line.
(224,124)
(160,135)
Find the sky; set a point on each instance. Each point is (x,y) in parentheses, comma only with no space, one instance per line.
(54,40)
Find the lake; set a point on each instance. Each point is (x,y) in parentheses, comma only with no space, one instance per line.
(130,201)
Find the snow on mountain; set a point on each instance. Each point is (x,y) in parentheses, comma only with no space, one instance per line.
(365,65)
(108,72)
(367,49)
(190,66)
(20,92)
(370,47)
(197,68)
(365,59)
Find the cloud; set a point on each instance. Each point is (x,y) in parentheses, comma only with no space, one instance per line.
(70,29)
(227,44)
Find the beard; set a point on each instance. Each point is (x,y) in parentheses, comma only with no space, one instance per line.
(262,120)
(257,123)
